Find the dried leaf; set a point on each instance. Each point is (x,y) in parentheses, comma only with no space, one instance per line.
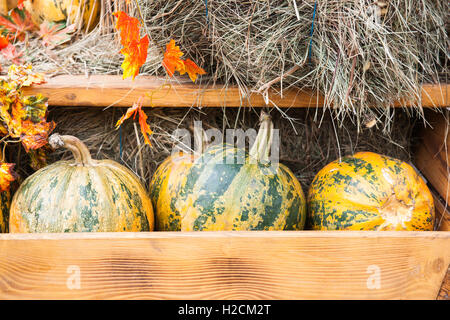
(17,23)
(172,61)
(132,112)
(7,175)
(192,69)
(54,34)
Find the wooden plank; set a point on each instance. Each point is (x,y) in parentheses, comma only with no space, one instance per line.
(224,265)
(107,90)
(432,156)
(442,213)
(444,292)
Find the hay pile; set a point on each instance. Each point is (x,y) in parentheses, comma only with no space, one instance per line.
(305,147)
(357,53)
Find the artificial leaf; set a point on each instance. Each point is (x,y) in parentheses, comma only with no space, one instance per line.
(172,61)
(35,135)
(39,157)
(136,109)
(10,53)
(7,175)
(24,75)
(192,69)
(17,23)
(24,117)
(54,34)
(33,108)
(134,48)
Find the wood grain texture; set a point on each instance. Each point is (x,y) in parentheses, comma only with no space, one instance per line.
(432,156)
(224,265)
(107,90)
(444,292)
(442,213)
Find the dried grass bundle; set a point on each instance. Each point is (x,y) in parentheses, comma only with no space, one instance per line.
(305,145)
(357,53)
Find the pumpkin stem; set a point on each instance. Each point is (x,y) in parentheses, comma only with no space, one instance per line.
(261,148)
(79,150)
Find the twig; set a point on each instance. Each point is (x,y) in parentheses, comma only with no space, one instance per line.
(267,86)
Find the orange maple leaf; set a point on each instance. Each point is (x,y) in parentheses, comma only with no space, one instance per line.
(132,112)
(134,48)
(135,56)
(192,69)
(172,61)
(20,4)
(7,175)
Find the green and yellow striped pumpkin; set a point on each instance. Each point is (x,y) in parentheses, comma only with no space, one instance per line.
(368,191)
(84,14)
(83,195)
(5,199)
(210,193)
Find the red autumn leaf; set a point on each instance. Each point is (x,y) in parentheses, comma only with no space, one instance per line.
(134,48)
(192,69)
(17,23)
(132,112)
(54,34)
(172,61)
(10,53)
(7,175)
(20,4)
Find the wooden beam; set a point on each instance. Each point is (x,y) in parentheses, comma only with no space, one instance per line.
(432,156)
(442,213)
(224,265)
(105,90)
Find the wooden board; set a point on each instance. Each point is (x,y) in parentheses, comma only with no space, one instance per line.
(106,90)
(224,265)
(442,213)
(432,157)
(444,292)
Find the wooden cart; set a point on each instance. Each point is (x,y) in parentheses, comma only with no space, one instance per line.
(232,265)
